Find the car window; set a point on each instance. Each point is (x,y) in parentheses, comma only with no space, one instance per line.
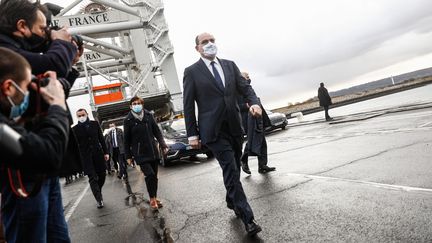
(173,126)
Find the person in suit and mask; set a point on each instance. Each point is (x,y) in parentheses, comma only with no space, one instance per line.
(213,84)
(93,152)
(115,144)
(256,143)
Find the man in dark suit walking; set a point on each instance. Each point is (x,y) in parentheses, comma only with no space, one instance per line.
(115,144)
(256,144)
(93,153)
(213,84)
(324,100)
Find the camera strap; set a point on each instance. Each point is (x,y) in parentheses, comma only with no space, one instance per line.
(17,185)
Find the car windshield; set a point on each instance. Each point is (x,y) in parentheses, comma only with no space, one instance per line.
(173,126)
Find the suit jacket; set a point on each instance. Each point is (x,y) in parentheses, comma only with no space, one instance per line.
(215,106)
(91,145)
(120,140)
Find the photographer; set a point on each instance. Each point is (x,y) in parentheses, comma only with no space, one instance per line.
(23,28)
(38,218)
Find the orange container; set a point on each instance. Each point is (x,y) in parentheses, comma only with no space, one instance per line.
(107,93)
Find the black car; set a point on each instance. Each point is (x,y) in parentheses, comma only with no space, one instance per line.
(277,120)
(174,132)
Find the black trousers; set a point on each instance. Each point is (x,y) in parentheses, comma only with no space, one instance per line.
(96,183)
(227,150)
(150,170)
(119,162)
(262,158)
(326,108)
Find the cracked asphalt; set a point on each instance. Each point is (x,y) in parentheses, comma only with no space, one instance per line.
(360,180)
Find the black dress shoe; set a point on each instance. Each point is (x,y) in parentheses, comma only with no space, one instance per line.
(253,228)
(100,204)
(265,169)
(245,168)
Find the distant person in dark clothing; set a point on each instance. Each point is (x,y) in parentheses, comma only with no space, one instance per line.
(324,100)
(115,143)
(254,127)
(93,152)
(141,138)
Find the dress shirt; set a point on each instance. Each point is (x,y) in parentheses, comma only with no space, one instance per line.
(114,138)
(217,66)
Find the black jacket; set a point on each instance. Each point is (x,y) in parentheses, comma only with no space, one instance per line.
(324,97)
(254,126)
(91,146)
(43,148)
(120,140)
(140,138)
(215,106)
(58,57)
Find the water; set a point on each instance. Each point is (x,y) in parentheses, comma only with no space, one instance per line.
(407,97)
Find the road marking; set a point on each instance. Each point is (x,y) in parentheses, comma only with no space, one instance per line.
(75,205)
(379,185)
(426,124)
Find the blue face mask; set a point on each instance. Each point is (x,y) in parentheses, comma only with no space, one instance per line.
(137,108)
(18,110)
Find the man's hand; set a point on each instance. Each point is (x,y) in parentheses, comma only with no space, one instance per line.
(61,34)
(195,143)
(129,161)
(106,157)
(165,151)
(255,110)
(53,93)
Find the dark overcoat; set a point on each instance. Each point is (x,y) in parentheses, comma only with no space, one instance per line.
(324,97)
(92,146)
(141,138)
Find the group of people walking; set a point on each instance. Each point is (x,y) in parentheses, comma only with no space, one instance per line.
(139,142)
(212,85)
(228,108)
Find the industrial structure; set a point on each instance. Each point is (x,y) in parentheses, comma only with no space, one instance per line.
(127,45)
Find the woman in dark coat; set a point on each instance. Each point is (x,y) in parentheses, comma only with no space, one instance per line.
(141,135)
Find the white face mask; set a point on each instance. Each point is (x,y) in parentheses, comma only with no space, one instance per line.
(210,49)
(82,119)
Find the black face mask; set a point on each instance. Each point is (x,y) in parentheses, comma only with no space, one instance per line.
(36,42)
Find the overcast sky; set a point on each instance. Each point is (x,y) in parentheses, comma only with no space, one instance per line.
(289,47)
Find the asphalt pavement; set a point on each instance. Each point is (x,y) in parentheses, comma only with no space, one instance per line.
(362,178)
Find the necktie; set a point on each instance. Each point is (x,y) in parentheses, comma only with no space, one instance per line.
(217,76)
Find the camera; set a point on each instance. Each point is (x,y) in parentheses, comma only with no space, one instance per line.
(40,80)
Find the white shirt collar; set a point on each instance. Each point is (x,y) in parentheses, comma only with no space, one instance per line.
(208,62)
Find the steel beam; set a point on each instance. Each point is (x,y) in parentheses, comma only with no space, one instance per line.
(105,44)
(119,6)
(107,52)
(68,8)
(112,27)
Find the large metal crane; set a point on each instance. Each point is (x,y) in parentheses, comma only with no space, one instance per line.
(126,42)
